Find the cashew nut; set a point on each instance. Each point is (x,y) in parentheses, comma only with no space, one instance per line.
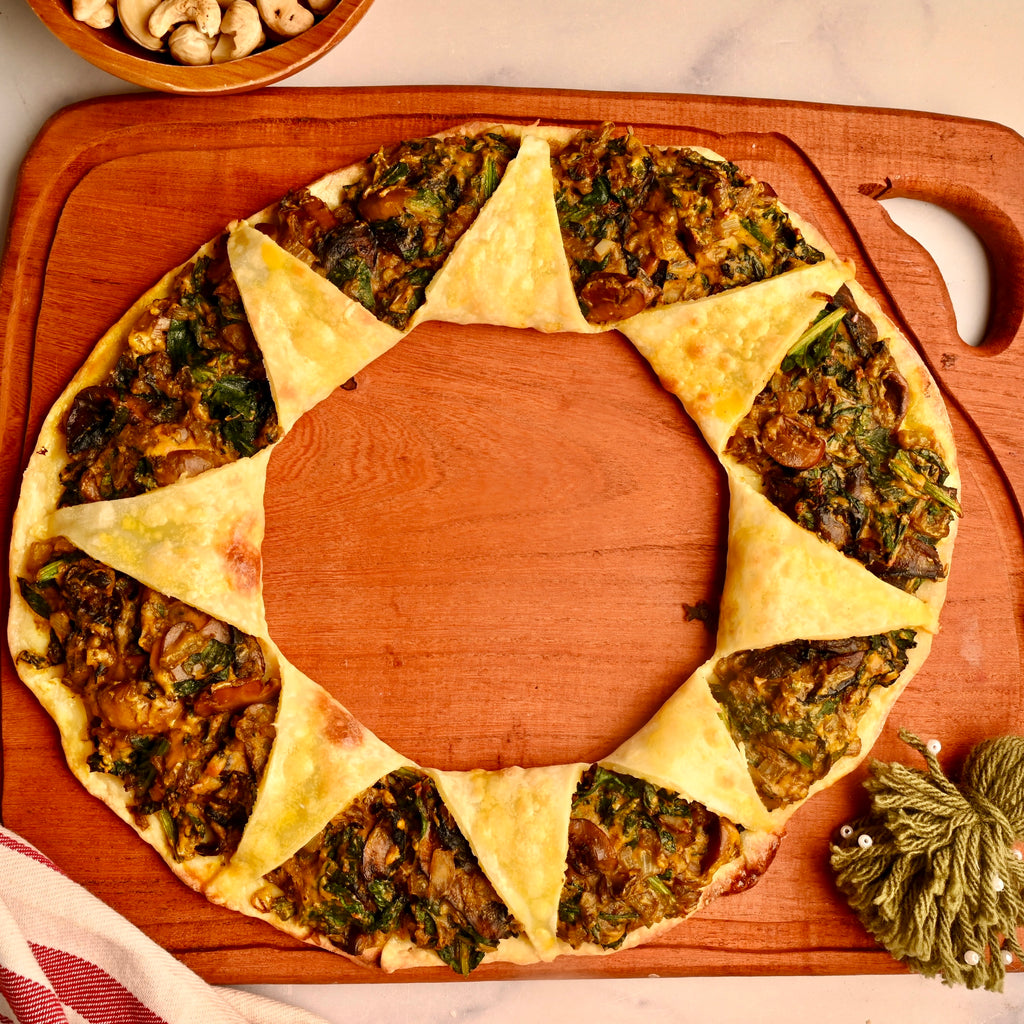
(188,45)
(204,14)
(203,31)
(134,18)
(93,12)
(104,17)
(285,18)
(241,32)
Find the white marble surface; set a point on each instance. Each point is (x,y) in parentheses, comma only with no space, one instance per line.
(939,55)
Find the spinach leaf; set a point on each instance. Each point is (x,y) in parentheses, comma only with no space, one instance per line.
(461,955)
(755,231)
(813,344)
(399,172)
(241,406)
(487,181)
(354,272)
(210,665)
(34,597)
(183,343)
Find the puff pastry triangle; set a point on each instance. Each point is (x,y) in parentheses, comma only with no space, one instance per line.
(313,336)
(518,819)
(783,583)
(510,267)
(321,760)
(714,355)
(198,539)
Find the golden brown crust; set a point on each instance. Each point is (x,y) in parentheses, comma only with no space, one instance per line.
(509,268)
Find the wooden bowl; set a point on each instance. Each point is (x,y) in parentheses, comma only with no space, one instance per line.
(111,50)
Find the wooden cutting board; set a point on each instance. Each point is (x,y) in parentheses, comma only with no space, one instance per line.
(485,549)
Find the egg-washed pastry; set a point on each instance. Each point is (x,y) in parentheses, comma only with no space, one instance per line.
(138,621)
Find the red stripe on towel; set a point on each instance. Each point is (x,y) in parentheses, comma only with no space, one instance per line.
(29,1000)
(19,846)
(90,991)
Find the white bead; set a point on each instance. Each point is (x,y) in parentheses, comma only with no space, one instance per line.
(933,747)
(864,840)
(998,884)
(846,831)
(972,958)
(1018,855)
(1007,957)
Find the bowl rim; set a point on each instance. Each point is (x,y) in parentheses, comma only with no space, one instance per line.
(111,51)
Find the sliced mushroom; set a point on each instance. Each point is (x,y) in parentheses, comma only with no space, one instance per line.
(792,443)
(833,528)
(348,241)
(896,393)
(377,853)
(284,18)
(861,328)
(128,707)
(721,837)
(611,297)
(231,696)
(92,418)
(189,45)
(204,14)
(840,673)
(384,205)
(915,558)
(184,462)
(241,32)
(443,874)
(590,847)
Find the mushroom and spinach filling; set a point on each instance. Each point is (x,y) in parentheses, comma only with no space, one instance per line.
(397,223)
(190,393)
(179,705)
(637,855)
(825,436)
(645,226)
(394,864)
(794,708)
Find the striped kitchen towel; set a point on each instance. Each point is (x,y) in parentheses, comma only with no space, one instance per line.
(67,958)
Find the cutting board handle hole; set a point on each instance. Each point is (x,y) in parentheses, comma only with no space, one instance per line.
(959,254)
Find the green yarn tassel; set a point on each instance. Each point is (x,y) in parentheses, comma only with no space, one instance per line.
(937,881)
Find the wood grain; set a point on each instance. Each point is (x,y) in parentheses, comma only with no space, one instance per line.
(485,548)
